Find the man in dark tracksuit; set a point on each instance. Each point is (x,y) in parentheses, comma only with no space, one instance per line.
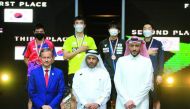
(110,50)
(156,54)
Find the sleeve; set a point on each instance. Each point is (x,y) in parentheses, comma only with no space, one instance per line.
(61,90)
(92,44)
(146,86)
(67,45)
(32,91)
(121,93)
(124,47)
(100,50)
(76,89)
(106,91)
(26,52)
(161,60)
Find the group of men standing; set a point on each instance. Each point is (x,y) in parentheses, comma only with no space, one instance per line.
(118,74)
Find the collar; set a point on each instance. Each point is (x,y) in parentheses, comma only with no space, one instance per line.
(134,58)
(45,68)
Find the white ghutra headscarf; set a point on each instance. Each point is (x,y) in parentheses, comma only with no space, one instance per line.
(100,63)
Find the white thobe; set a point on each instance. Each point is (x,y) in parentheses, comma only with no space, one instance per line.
(133,81)
(91,86)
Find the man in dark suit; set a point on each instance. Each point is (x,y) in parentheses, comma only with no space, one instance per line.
(156,54)
(46,84)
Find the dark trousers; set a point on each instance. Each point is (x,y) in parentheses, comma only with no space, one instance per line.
(112,96)
(150,100)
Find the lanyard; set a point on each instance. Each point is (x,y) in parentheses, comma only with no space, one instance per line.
(38,51)
(113,56)
(150,43)
(113,49)
(78,41)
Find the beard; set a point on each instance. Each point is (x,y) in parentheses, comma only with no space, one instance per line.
(91,65)
(135,54)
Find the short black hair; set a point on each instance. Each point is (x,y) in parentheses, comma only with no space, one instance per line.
(113,24)
(148,23)
(38,26)
(79,18)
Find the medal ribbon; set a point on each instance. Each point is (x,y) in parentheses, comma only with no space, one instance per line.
(150,43)
(78,41)
(38,51)
(113,52)
(111,47)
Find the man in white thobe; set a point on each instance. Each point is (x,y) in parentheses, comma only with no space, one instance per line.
(92,84)
(134,76)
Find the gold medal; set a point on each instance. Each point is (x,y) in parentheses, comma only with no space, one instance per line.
(113,57)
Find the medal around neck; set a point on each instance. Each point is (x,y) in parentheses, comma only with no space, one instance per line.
(113,57)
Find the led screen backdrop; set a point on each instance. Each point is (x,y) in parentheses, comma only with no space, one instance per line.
(18,15)
(170,19)
(17,21)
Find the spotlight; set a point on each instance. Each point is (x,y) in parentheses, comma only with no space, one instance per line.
(5,77)
(186,5)
(170,80)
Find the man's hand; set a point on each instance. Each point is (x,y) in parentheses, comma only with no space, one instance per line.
(82,49)
(94,106)
(46,107)
(152,51)
(70,55)
(129,105)
(158,79)
(87,106)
